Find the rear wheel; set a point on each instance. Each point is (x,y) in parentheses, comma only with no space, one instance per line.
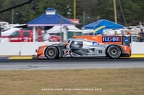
(114,52)
(51,53)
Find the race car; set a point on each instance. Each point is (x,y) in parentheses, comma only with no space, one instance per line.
(82,47)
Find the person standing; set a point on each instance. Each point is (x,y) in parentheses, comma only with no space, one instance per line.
(141,36)
(46,36)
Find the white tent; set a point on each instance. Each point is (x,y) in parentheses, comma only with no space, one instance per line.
(59,29)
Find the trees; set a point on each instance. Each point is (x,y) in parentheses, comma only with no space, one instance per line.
(133,10)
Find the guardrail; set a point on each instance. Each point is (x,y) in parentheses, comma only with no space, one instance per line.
(28,48)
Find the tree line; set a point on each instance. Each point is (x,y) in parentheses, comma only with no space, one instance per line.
(129,12)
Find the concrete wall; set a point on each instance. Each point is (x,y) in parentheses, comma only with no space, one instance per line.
(23,48)
(137,47)
(28,48)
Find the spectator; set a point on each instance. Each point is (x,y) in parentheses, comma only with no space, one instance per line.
(128,32)
(46,36)
(115,33)
(141,36)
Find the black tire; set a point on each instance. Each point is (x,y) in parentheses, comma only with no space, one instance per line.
(114,52)
(51,53)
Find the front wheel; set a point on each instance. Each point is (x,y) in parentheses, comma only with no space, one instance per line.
(51,53)
(114,52)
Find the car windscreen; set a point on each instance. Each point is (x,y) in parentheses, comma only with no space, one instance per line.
(15,34)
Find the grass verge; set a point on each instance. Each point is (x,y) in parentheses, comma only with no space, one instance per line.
(73,82)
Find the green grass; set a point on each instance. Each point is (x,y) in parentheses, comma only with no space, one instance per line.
(110,81)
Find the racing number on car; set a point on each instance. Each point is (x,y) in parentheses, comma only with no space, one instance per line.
(66,53)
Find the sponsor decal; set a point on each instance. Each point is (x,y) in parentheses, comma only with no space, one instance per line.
(99,28)
(25,39)
(111,39)
(100,51)
(95,43)
(126,39)
(96,46)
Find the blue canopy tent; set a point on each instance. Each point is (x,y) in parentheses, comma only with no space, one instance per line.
(100,25)
(49,18)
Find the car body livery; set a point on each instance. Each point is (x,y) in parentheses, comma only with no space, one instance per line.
(78,46)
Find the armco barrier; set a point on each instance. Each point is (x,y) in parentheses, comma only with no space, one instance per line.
(28,48)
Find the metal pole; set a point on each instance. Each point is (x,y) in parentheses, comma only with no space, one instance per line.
(74,15)
(84,18)
(115,14)
(12,16)
(122,13)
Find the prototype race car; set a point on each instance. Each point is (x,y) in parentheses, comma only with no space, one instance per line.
(109,46)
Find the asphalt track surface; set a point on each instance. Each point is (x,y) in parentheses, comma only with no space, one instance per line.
(71,63)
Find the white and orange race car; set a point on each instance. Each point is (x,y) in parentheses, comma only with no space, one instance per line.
(88,46)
